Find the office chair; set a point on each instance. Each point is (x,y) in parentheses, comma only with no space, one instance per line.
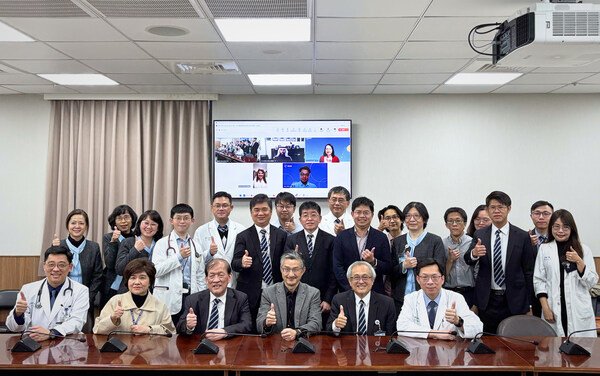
(8,298)
(525,325)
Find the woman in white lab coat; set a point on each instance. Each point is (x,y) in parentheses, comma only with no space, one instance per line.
(564,274)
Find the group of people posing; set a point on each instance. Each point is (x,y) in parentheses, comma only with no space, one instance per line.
(327,273)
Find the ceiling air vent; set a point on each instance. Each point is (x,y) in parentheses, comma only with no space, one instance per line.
(207,68)
(38,8)
(259,8)
(571,24)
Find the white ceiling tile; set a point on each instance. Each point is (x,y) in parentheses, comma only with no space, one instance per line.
(145,79)
(28,50)
(229,89)
(578,89)
(526,89)
(414,79)
(450,29)
(351,66)
(271,50)
(126,66)
(66,29)
(464,89)
(503,8)
(357,50)
(275,66)
(186,50)
(41,89)
(50,66)
(347,79)
(363,29)
(549,78)
(162,89)
(199,30)
(427,66)
(283,89)
(437,50)
(21,79)
(103,89)
(100,50)
(588,68)
(344,89)
(371,8)
(404,89)
(214,79)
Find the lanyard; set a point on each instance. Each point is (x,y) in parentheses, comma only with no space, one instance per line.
(134,320)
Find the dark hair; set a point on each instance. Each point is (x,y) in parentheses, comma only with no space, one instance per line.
(214,262)
(309,205)
(420,207)
(154,216)
(537,204)
(260,199)
(455,209)
(567,219)
(471,229)
(140,265)
(182,209)
(398,212)
(78,212)
(499,196)
(332,150)
(58,250)
(286,197)
(363,201)
(264,175)
(120,210)
(304,168)
(222,194)
(339,189)
(429,261)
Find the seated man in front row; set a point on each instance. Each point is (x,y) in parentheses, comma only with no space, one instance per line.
(53,306)
(361,310)
(218,311)
(434,311)
(290,307)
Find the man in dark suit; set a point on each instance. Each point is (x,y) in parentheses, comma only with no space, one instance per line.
(316,249)
(218,310)
(362,242)
(361,310)
(257,253)
(504,284)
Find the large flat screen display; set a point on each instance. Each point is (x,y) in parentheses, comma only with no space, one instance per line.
(303,157)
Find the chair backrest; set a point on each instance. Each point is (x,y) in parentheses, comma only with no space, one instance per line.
(8,298)
(525,325)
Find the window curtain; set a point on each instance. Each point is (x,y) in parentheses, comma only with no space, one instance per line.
(147,154)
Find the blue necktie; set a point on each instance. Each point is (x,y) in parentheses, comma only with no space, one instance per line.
(52,298)
(362,320)
(213,321)
(266,259)
(431,312)
(498,270)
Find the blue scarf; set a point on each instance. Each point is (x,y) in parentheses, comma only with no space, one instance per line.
(76,273)
(410,277)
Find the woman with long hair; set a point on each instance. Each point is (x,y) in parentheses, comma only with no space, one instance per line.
(329,155)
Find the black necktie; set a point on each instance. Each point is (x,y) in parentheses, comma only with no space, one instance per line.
(431,312)
(310,245)
(52,298)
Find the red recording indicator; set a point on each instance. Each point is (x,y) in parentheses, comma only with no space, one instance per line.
(343,129)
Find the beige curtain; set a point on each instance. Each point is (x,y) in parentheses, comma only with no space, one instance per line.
(147,154)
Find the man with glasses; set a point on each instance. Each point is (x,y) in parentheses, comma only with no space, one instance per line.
(435,312)
(290,307)
(505,256)
(541,211)
(218,311)
(54,306)
(362,243)
(216,238)
(285,206)
(337,220)
(362,310)
(304,176)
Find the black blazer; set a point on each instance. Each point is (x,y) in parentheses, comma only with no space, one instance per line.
(319,268)
(520,260)
(127,252)
(345,252)
(381,308)
(250,280)
(237,313)
(91,267)
(430,247)
(110,251)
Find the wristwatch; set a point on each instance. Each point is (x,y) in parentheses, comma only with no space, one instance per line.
(460,322)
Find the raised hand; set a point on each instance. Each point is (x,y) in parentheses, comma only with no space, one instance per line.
(341,320)
(246,260)
(339,227)
(185,251)
(533,237)
(479,249)
(55,240)
(368,255)
(289,226)
(115,235)
(21,305)
(453,254)
(271,316)
(139,244)
(409,262)
(213,246)
(191,320)
(116,316)
(450,314)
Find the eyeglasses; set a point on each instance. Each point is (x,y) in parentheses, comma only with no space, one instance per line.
(337,200)
(221,206)
(455,222)
(285,207)
(482,220)
(310,216)
(557,227)
(358,278)
(433,277)
(60,265)
(182,218)
(494,208)
(291,270)
(391,217)
(305,174)
(541,213)
(123,218)
(149,224)
(360,213)
(416,217)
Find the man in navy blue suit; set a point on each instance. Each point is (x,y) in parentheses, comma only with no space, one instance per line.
(362,243)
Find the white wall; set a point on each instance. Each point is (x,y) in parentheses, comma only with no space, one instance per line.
(441,150)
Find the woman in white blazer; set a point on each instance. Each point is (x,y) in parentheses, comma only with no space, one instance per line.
(564,274)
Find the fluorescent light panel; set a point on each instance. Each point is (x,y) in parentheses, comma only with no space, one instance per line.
(79,79)
(482,78)
(8,34)
(280,79)
(264,29)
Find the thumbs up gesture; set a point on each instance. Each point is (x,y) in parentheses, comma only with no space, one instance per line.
(191,320)
(453,254)
(409,262)
(213,246)
(450,314)
(533,237)
(297,249)
(246,260)
(116,316)
(21,305)
(368,255)
(341,320)
(271,316)
(115,235)
(289,226)
(55,241)
(139,244)
(479,249)
(339,227)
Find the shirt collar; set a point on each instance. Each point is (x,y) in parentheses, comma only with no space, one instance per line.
(437,298)
(503,229)
(366,299)
(314,233)
(267,228)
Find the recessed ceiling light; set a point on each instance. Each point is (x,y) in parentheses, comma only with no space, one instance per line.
(482,78)
(79,79)
(280,79)
(8,34)
(264,29)
(167,31)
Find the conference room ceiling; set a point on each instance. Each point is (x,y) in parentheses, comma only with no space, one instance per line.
(356,47)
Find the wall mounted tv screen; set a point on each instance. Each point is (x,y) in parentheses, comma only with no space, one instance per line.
(303,157)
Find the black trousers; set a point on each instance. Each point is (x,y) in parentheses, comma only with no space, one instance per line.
(496,311)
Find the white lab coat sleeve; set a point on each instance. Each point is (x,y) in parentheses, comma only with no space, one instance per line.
(161,260)
(590,277)
(472,325)
(540,276)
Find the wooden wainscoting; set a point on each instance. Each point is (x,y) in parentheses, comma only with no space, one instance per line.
(15,271)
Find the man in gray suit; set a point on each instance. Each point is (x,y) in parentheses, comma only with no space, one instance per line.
(290,307)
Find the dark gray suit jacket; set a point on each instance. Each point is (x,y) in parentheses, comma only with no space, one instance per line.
(381,308)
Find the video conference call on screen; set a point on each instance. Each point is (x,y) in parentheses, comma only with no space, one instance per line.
(303,157)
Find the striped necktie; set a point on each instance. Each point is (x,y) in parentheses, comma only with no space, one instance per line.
(498,270)
(213,321)
(266,259)
(362,319)
(310,245)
